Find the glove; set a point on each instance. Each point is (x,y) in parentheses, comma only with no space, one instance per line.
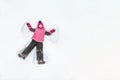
(52,31)
(28,25)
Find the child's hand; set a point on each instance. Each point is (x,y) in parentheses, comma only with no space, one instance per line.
(28,24)
(53,30)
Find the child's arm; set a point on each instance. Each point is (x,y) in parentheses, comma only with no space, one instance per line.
(49,32)
(30,28)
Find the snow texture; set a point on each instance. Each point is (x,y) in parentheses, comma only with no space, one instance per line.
(88,47)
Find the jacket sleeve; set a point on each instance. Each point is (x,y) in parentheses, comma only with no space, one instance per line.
(30,27)
(47,33)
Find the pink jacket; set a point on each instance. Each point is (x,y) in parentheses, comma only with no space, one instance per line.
(39,33)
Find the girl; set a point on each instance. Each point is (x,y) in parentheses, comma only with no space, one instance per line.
(37,40)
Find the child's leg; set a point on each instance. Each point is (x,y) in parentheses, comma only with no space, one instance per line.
(29,48)
(40,52)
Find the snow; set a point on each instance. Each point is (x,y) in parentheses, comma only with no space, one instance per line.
(88,46)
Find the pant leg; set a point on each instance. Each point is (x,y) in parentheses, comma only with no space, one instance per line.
(29,48)
(39,51)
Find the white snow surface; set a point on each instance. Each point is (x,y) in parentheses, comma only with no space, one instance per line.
(88,46)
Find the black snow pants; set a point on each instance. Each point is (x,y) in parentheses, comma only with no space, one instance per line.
(39,49)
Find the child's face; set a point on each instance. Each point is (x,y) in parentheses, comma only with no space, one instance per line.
(40,26)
